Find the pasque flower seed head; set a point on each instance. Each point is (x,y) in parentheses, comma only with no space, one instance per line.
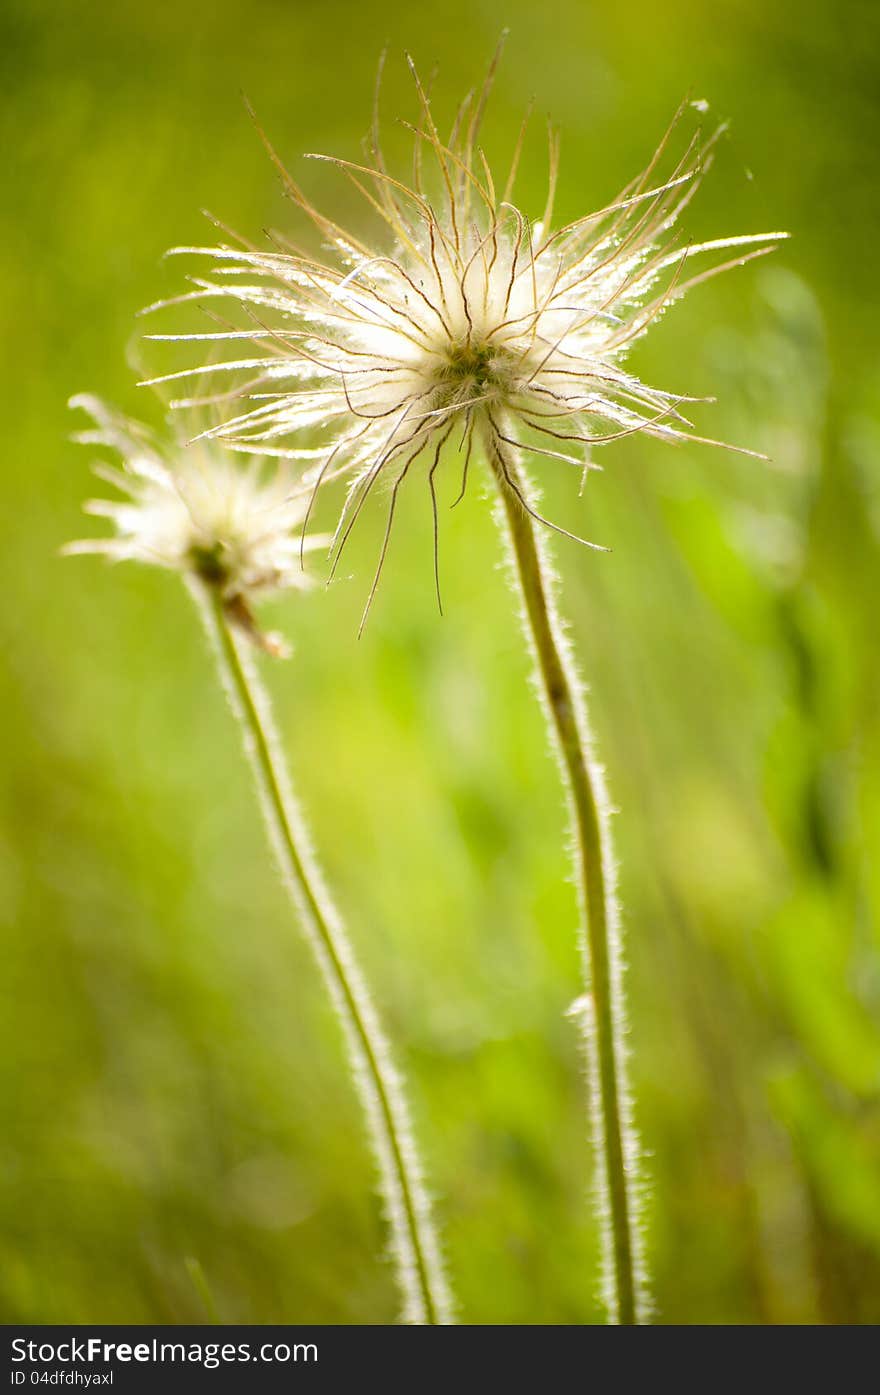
(466,322)
(197,510)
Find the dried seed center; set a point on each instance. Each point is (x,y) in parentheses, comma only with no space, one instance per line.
(474,369)
(208,563)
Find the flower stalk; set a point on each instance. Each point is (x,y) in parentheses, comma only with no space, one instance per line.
(414,1244)
(603,1011)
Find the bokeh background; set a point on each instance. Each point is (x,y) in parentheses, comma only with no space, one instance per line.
(179,1140)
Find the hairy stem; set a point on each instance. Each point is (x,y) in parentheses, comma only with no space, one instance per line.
(414,1243)
(599,940)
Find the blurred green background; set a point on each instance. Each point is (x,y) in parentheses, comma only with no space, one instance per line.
(179,1138)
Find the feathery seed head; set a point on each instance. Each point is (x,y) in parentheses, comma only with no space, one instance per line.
(470,318)
(195,510)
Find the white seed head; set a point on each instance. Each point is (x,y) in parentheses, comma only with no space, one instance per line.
(196,510)
(470,322)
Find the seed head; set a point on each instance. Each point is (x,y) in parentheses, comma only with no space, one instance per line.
(194,509)
(468,322)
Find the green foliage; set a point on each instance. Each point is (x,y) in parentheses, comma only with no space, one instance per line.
(180,1140)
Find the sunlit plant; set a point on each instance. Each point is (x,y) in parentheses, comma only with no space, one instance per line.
(470,329)
(234,535)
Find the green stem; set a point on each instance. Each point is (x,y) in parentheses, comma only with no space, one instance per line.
(413,1238)
(614,1143)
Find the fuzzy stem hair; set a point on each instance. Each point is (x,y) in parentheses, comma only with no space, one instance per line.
(602,1008)
(414,1245)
